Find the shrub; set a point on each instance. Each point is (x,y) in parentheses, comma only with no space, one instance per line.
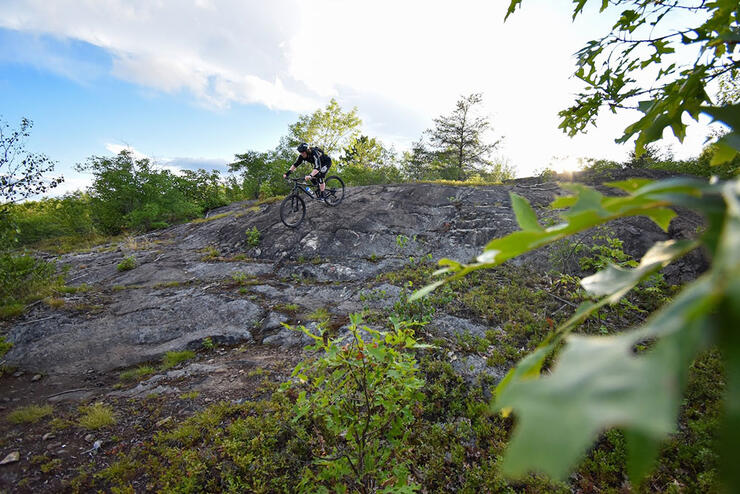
(357,406)
(133,194)
(138,373)
(23,277)
(5,346)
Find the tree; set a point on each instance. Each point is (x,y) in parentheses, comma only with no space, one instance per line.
(22,172)
(367,161)
(648,37)
(363,151)
(416,162)
(256,168)
(202,187)
(729,88)
(653,154)
(330,128)
(460,136)
(130,193)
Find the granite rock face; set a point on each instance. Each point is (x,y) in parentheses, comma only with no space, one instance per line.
(204,280)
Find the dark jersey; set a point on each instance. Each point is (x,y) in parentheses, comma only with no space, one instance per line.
(317,158)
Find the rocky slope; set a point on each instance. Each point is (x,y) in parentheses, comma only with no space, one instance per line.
(209,284)
(204,280)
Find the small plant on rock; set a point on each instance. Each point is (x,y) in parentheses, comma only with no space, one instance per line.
(171,359)
(253,236)
(127,264)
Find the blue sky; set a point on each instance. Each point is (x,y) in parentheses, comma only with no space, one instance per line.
(191,83)
(83,110)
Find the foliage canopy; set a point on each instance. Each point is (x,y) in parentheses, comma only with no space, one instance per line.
(648,39)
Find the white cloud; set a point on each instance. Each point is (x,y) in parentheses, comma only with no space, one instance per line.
(117,148)
(401,62)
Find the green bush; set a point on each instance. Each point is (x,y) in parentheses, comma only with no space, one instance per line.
(127,264)
(364,175)
(5,346)
(133,194)
(24,277)
(357,408)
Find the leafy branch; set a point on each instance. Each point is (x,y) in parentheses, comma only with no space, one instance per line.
(609,66)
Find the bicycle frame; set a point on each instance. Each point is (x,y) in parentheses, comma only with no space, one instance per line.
(301,185)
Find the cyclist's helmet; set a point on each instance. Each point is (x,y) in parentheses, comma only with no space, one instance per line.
(302,147)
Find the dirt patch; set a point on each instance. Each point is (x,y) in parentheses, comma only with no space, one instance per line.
(57,448)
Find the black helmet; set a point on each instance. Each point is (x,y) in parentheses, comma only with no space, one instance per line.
(302,147)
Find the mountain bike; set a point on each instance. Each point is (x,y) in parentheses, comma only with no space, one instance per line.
(293,207)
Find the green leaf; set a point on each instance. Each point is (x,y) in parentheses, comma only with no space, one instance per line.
(727,263)
(425,290)
(729,114)
(563,202)
(598,383)
(616,281)
(726,149)
(642,451)
(588,200)
(630,185)
(661,217)
(525,215)
(512,7)
(527,368)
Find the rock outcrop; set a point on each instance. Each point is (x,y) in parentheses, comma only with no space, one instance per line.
(204,280)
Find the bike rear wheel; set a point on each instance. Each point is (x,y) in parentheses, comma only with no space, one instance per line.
(292,211)
(334,191)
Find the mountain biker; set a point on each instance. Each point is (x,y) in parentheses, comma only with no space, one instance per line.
(321,164)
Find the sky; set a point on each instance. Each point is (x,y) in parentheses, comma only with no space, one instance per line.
(190,83)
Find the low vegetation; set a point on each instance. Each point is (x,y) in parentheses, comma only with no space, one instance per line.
(390,410)
(30,414)
(137,373)
(171,359)
(96,416)
(127,264)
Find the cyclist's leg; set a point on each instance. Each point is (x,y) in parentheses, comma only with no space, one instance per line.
(322,173)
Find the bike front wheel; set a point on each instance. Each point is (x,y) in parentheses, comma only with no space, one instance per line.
(292,211)
(334,191)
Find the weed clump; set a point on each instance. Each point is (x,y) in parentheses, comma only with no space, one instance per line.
(30,414)
(171,359)
(253,236)
(96,416)
(135,374)
(127,264)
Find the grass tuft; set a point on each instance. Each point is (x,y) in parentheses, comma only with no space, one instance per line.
(97,416)
(171,359)
(30,414)
(136,374)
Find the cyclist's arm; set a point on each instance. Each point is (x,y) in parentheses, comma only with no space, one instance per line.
(294,166)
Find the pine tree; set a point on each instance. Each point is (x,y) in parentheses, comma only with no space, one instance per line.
(459,138)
